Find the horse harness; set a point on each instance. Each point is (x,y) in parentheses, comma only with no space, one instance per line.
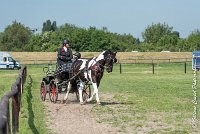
(96,66)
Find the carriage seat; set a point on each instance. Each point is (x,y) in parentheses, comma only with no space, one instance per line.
(66,67)
(64,71)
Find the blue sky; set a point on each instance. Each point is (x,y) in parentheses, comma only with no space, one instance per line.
(119,16)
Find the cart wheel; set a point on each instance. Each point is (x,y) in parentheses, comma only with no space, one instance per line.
(53,93)
(43,91)
(77,95)
(86,92)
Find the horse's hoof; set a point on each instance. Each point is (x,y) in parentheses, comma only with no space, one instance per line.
(98,103)
(63,101)
(82,103)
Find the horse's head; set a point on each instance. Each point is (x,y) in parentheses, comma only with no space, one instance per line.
(110,59)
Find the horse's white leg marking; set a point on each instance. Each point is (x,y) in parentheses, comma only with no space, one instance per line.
(90,77)
(90,99)
(96,92)
(68,89)
(80,90)
(92,95)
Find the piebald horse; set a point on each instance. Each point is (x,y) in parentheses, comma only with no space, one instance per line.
(91,70)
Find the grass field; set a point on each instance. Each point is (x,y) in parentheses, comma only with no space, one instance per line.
(37,57)
(120,55)
(8,77)
(33,117)
(146,102)
(135,101)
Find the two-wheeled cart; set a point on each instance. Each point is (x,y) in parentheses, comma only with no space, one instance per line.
(52,86)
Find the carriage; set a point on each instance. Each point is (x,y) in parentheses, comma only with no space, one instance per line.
(78,77)
(53,86)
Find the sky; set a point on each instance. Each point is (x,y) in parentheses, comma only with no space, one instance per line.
(119,16)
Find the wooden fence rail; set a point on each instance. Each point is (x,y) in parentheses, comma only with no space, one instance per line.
(153,60)
(153,65)
(127,60)
(15,94)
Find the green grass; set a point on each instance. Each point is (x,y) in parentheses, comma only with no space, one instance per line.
(33,117)
(142,101)
(8,77)
(134,101)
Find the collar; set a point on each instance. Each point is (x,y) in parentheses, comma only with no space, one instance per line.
(65,49)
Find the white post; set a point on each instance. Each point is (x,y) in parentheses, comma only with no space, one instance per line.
(194,87)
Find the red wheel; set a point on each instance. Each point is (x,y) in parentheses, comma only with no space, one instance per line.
(86,92)
(53,93)
(43,91)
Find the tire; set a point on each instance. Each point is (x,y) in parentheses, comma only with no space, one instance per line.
(15,68)
(43,90)
(53,91)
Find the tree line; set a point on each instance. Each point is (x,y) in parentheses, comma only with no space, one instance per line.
(156,37)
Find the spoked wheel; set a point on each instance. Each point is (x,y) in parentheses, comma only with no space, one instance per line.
(53,93)
(43,91)
(77,95)
(86,92)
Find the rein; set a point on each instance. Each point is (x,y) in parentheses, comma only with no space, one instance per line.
(97,63)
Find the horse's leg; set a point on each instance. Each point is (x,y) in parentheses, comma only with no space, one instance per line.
(90,99)
(80,90)
(95,92)
(68,90)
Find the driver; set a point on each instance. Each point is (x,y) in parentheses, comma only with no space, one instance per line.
(64,54)
(64,60)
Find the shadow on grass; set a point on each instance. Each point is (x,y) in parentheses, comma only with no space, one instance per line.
(30,109)
(116,103)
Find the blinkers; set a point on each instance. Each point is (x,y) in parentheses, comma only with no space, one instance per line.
(110,60)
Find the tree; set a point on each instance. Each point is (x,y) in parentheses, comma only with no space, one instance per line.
(193,41)
(168,42)
(54,26)
(153,33)
(34,44)
(15,37)
(1,45)
(47,26)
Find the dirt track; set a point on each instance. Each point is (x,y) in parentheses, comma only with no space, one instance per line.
(73,118)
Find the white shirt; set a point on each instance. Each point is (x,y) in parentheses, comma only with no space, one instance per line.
(65,49)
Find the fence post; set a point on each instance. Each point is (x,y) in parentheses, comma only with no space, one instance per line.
(4,115)
(8,119)
(120,68)
(15,94)
(185,67)
(19,85)
(15,112)
(153,67)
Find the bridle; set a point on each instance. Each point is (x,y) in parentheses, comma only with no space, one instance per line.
(107,65)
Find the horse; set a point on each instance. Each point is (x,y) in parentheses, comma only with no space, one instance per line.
(91,70)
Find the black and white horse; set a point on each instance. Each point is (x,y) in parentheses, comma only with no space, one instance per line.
(91,70)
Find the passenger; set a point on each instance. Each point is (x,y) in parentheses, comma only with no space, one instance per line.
(77,55)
